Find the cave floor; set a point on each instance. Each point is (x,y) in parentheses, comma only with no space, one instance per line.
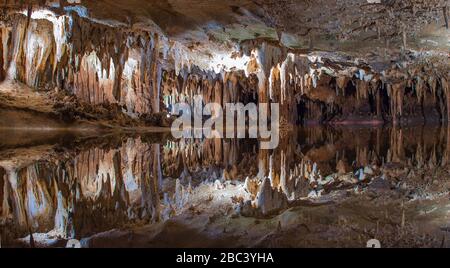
(349,223)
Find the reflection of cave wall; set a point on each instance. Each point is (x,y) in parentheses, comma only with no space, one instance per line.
(427,146)
(102,188)
(290,173)
(97,190)
(237,159)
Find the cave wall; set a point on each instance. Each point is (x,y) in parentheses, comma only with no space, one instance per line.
(349,99)
(145,73)
(97,63)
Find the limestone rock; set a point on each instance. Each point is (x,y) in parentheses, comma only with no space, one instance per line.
(270,200)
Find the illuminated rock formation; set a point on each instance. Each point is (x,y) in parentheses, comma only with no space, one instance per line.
(141,68)
(119,68)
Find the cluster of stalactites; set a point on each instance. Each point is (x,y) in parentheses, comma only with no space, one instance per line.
(98,63)
(407,90)
(104,64)
(223,88)
(425,80)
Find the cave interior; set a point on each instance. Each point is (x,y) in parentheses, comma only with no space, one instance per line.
(88,91)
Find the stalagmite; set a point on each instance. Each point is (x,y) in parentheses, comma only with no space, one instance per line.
(270,200)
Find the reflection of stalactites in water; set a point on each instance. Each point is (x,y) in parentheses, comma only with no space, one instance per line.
(150,186)
(39,203)
(62,214)
(103,188)
(3,194)
(85,194)
(18,206)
